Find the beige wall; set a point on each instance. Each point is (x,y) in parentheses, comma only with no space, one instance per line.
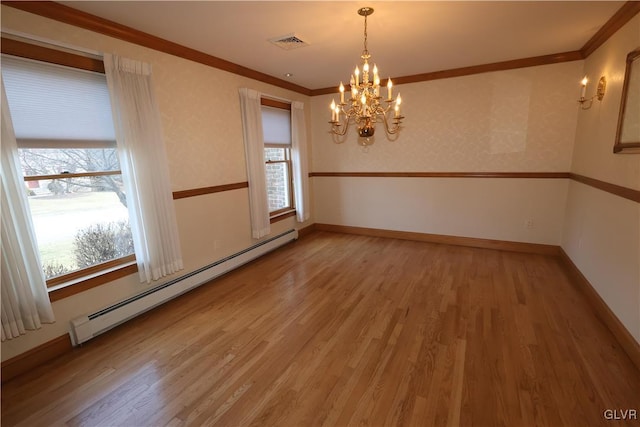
(202,127)
(508,121)
(513,121)
(488,208)
(602,231)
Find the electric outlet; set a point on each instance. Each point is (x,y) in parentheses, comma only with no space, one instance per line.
(528,223)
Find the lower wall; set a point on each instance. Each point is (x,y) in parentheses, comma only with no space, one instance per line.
(602,238)
(211,227)
(486,208)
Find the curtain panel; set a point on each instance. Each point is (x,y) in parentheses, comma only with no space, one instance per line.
(25,301)
(254,154)
(300,161)
(144,167)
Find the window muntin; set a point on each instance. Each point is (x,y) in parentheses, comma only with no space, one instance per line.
(64,132)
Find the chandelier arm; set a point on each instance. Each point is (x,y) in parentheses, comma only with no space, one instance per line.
(390,130)
(334,131)
(346,126)
(335,128)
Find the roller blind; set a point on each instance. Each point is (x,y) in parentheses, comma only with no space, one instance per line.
(52,103)
(276,126)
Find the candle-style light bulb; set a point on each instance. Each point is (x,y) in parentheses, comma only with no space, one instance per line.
(341,93)
(337,113)
(584,82)
(389,86)
(397,108)
(375,71)
(398,100)
(333,110)
(357,74)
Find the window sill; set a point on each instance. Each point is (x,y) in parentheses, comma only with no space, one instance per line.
(282,215)
(78,285)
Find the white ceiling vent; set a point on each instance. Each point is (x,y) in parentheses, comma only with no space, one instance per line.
(288,42)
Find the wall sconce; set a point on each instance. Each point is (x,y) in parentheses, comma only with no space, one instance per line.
(586,103)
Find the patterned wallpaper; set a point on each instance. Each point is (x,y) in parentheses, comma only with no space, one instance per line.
(199,105)
(515,120)
(593,155)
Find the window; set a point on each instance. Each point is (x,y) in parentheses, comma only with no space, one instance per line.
(276,125)
(64,130)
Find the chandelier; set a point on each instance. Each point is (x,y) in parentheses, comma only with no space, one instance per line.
(365,107)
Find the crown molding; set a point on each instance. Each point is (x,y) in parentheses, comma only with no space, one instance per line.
(621,17)
(68,15)
(475,69)
(534,175)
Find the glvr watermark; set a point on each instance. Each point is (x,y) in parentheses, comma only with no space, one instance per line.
(620,414)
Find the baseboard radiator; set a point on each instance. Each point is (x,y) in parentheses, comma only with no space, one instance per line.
(86,327)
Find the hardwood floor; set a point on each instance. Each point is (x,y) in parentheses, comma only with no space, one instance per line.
(349,330)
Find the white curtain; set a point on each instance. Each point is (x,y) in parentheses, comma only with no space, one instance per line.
(254,149)
(25,301)
(299,161)
(144,167)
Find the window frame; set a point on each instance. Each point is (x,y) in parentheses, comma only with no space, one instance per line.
(59,287)
(290,210)
(287,161)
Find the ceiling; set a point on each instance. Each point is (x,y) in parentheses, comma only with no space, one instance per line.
(404,38)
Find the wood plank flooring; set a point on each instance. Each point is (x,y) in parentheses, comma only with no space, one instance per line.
(337,330)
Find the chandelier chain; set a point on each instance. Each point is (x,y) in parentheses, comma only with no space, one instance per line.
(365,35)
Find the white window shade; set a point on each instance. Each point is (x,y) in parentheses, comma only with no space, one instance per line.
(52,103)
(276,126)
